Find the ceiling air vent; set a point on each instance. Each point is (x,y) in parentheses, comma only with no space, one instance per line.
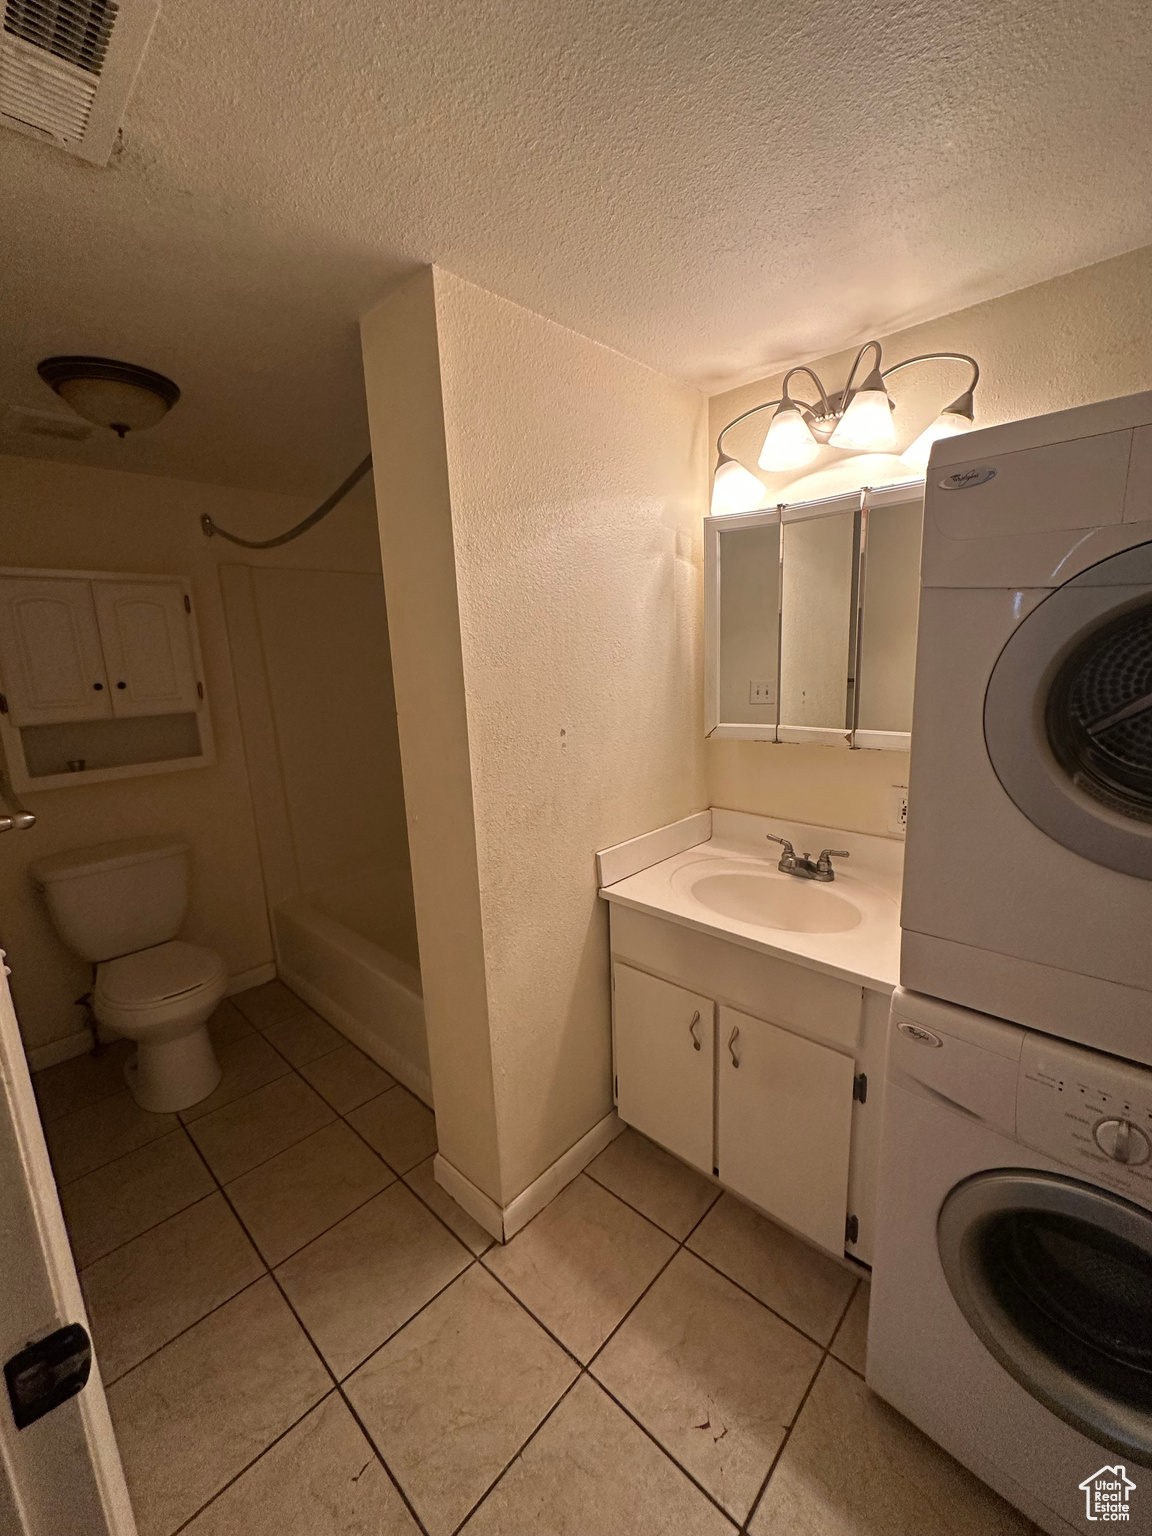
(67,68)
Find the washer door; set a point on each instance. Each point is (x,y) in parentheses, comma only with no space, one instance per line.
(1055,1278)
(1068,714)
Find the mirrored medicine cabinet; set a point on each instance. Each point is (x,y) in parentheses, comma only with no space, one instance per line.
(810,619)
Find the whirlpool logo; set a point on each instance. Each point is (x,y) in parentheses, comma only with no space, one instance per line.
(1106,1494)
(965,479)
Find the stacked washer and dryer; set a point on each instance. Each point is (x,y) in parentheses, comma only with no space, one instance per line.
(1012,1293)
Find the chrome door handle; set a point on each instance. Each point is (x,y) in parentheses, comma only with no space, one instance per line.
(732,1039)
(13,818)
(692,1030)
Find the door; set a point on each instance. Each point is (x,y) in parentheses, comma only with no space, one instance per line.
(664,1062)
(60,1475)
(144,633)
(785,1121)
(50,652)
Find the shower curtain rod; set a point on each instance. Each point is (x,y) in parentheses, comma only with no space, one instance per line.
(210,529)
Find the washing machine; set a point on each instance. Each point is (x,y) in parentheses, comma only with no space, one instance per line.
(1028,870)
(1011,1309)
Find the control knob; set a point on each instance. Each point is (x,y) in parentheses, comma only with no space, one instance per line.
(1122,1142)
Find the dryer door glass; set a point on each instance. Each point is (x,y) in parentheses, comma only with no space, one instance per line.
(1055,1277)
(1068,714)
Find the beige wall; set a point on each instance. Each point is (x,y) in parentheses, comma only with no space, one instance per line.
(559,510)
(74,518)
(1082,337)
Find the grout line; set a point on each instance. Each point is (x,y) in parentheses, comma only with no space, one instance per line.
(719,1188)
(152,1353)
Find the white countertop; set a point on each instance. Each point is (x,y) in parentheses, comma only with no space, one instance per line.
(867,886)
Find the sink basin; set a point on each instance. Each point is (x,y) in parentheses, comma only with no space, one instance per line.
(771,900)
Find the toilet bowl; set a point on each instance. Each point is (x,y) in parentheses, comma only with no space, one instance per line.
(162,998)
(121,906)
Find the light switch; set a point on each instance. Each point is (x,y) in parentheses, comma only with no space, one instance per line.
(762,690)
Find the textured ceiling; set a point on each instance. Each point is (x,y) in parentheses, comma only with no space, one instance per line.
(714,188)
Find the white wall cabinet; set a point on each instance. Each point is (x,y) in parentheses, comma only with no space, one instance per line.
(664,1062)
(100,676)
(784,1123)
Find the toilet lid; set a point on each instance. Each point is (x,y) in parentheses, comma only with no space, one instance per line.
(156,975)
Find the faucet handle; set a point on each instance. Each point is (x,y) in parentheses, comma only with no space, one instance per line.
(824,870)
(834,853)
(783,841)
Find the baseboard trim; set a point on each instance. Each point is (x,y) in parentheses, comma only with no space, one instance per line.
(503,1224)
(56,1051)
(256,977)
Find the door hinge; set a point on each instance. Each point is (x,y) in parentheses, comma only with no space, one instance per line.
(616,1088)
(187,603)
(3,703)
(48,1373)
(199,690)
(852,1229)
(860,1088)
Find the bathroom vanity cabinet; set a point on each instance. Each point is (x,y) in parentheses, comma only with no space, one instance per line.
(101,677)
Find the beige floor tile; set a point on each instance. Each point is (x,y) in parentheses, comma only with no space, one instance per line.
(81,1080)
(258,1126)
(852,1335)
(581,1264)
(227,1024)
(659,1185)
(423,1180)
(291,1199)
(99,1133)
(367,1275)
(321,1479)
(855,1467)
(268,1004)
(193,1416)
(401,1129)
(150,1290)
(454,1395)
(793,1278)
(591,1470)
(247,1062)
(713,1375)
(303,1037)
(346,1078)
(116,1203)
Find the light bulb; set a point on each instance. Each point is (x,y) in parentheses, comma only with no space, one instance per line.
(734,488)
(947,424)
(789,444)
(867,423)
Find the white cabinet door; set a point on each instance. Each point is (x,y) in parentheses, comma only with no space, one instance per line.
(50,651)
(664,1063)
(785,1117)
(144,631)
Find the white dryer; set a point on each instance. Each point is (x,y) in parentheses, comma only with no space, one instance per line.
(1028,870)
(1011,1309)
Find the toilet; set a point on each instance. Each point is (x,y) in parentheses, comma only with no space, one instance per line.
(121,905)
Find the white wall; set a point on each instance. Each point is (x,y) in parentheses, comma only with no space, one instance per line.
(70,517)
(558,504)
(1082,337)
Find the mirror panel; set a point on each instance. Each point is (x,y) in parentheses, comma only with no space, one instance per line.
(891,606)
(817,622)
(749,625)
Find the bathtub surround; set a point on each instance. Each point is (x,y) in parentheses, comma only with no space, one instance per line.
(1081,337)
(540,502)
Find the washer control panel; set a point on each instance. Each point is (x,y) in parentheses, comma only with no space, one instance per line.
(1089,1111)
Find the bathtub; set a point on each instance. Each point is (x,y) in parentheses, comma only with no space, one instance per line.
(349,950)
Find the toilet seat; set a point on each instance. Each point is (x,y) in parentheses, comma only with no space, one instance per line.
(166,973)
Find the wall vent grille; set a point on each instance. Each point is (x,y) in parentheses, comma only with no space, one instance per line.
(67,68)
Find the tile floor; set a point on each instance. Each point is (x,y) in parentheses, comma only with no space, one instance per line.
(303,1335)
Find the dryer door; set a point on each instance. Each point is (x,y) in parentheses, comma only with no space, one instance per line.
(1068,714)
(1055,1278)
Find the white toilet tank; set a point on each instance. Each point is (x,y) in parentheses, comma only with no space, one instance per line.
(116,898)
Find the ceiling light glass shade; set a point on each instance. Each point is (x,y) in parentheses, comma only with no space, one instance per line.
(789,444)
(867,423)
(948,424)
(121,396)
(734,488)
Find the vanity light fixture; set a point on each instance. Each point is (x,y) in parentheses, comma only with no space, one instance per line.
(121,396)
(857,418)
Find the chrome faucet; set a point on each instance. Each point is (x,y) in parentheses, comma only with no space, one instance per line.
(803,866)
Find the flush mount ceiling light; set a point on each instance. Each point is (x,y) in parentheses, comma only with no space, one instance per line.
(857,418)
(120,396)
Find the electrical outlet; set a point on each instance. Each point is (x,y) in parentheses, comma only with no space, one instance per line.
(762,690)
(898,809)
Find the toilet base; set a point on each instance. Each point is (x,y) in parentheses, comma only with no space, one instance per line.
(167,1075)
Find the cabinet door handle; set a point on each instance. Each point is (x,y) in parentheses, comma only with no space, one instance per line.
(732,1039)
(692,1030)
